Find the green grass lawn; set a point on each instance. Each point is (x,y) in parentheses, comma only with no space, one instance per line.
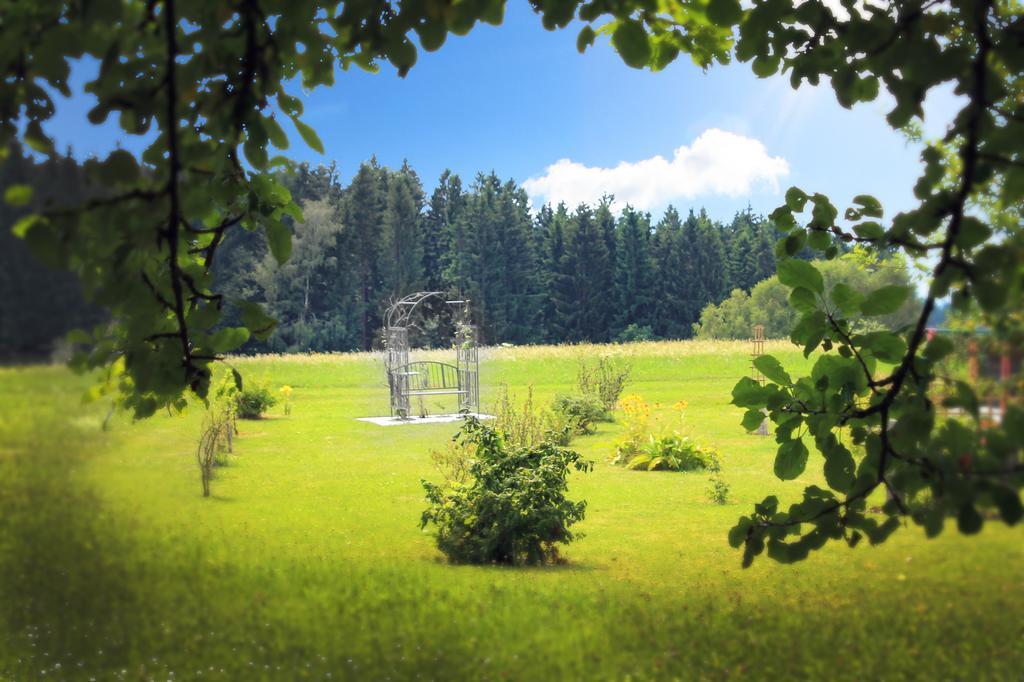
(308,561)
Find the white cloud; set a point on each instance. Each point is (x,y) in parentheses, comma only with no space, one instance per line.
(718,162)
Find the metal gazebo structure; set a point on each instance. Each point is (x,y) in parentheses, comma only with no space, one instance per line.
(417,379)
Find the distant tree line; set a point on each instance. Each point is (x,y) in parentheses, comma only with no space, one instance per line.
(38,305)
(558,274)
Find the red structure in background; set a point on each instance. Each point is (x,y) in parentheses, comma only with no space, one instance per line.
(1000,365)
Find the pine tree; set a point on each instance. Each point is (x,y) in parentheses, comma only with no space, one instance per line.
(474,263)
(362,214)
(517,295)
(550,236)
(446,202)
(673,289)
(401,240)
(581,296)
(634,271)
(741,252)
(703,275)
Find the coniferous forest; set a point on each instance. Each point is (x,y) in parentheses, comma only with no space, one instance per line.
(561,273)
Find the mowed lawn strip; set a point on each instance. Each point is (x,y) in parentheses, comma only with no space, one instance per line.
(309,559)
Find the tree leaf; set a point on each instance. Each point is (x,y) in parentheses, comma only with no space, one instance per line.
(752,420)
(796,199)
(749,393)
(885,300)
(229,339)
(1008,502)
(631,41)
(968,520)
(256,319)
(839,469)
(846,298)
(791,460)
(725,12)
(885,346)
(803,300)
(585,39)
(772,369)
(18,195)
(308,135)
(279,238)
(799,273)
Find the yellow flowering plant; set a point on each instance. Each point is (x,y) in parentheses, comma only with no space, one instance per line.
(286,398)
(659,447)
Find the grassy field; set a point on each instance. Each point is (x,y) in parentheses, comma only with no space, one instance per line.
(308,561)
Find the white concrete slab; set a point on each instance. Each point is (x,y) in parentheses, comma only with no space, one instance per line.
(429,419)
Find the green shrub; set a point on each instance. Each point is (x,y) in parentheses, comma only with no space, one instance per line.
(580,412)
(253,400)
(672,452)
(635,332)
(603,379)
(510,506)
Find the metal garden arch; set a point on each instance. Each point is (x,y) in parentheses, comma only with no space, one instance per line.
(407,380)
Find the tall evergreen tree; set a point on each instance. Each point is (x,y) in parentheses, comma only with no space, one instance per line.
(581,295)
(473,265)
(401,239)
(550,236)
(362,214)
(606,225)
(702,275)
(748,248)
(446,202)
(674,291)
(517,295)
(634,271)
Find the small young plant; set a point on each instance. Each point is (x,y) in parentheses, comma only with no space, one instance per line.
(718,489)
(212,445)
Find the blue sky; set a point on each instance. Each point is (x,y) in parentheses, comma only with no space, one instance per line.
(518,98)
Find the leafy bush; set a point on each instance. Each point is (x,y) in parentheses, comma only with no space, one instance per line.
(253,400)
(603,379)
(672,452)
(510,505)
(635,332)
(580,412)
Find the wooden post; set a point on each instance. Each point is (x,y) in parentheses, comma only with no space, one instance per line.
(1005,372)
(972,361)
(762,430)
